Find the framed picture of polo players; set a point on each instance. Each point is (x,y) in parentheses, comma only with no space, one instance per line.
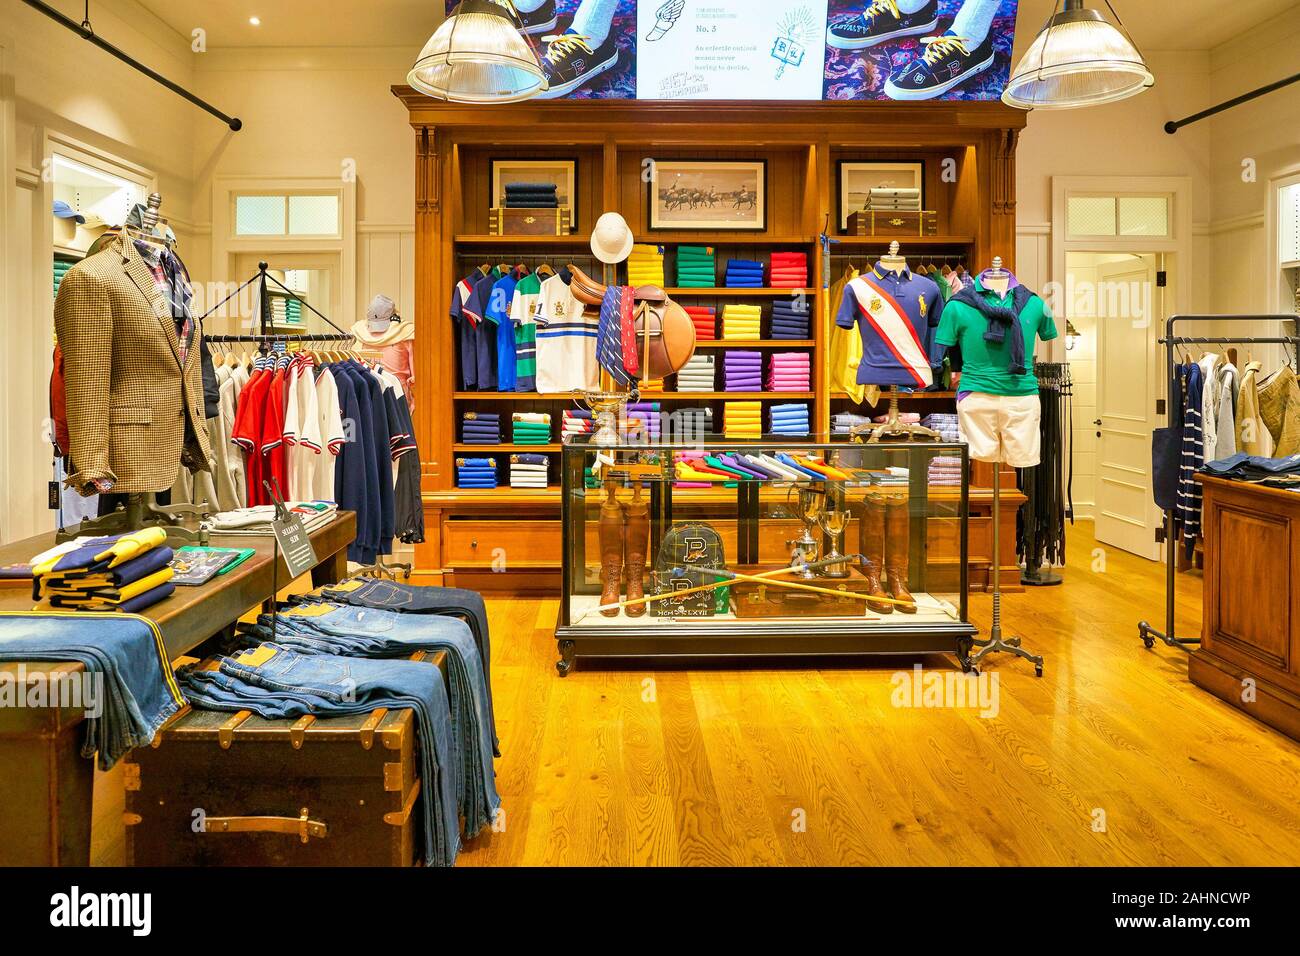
(708,194)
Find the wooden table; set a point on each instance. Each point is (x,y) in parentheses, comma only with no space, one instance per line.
(45,784)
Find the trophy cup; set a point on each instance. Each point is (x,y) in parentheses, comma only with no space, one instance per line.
(809,505)
(833,522)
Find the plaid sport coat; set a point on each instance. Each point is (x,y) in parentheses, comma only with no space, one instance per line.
(135,415)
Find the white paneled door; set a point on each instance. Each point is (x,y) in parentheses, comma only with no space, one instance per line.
(1128,384)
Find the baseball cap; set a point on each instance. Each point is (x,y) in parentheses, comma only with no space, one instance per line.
(64,211)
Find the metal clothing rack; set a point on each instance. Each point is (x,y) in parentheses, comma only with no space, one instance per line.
(267,339)
(262,278)
(1172,342)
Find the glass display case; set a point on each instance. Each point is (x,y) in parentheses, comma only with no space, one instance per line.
(725,548)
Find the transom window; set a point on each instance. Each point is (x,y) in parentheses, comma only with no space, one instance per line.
(287,214)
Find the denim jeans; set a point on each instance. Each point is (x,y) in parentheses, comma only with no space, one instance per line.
(1256,468)
(139,691)
(364,632)
(414,599)
(291,684)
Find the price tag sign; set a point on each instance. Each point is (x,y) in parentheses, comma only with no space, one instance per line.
(295,545)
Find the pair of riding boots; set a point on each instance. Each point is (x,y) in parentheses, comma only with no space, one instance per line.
(883,540)
(624,540)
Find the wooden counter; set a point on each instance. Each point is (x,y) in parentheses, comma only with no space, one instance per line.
(1250,638)
(46,785)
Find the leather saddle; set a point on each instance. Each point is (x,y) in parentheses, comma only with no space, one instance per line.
(665,333)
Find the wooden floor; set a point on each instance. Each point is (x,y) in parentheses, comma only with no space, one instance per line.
(817,767)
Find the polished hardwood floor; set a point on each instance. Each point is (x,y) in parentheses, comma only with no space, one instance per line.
(1113,757)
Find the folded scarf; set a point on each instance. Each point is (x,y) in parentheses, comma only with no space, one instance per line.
(1000,320)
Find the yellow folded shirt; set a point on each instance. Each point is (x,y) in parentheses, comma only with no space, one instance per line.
(113,595)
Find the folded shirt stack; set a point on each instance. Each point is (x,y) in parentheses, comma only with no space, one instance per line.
(576,422)
(705,320)
(642,421)
(790,318)
(743,420)
(531,428)
(480,428)
(742,321)
(699,374)
(905,418)
(696,267)
(645,266)
(692,423)
(476,472)
(744,274)
(789,270)
(532,196)
(124,572)
(528,471)
(789,372)
(844,422)
(742,371)
(789,419)
(945,423)
(258,520)
(944,470)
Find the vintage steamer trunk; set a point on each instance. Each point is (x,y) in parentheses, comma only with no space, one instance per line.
(917,223)
(550,221)
(234,789)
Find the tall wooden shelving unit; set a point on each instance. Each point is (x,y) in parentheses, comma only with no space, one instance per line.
(510,539)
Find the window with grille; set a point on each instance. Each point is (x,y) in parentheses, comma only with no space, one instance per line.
(1117,216)
(297,214)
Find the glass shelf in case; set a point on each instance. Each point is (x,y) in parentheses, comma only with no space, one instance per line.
(724,548)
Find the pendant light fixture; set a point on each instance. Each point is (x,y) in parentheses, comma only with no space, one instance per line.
(479,55)
(1078,59)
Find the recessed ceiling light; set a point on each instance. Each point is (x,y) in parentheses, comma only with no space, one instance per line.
(255,21)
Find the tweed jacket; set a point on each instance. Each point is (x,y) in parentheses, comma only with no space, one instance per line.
(134,414)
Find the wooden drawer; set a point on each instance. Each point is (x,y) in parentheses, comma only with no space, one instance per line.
(508,545)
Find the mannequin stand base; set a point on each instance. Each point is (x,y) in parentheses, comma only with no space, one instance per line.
(140,512)
(997,644)
(1042,578)
(896,431)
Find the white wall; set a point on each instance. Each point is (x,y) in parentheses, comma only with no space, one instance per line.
(306,113)
(52,81)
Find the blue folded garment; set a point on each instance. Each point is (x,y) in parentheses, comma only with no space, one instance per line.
(136,693)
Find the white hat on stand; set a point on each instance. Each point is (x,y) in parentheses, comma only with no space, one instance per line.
(611,240)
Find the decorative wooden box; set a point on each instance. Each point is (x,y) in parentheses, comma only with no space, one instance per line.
(894,222)
(529,222)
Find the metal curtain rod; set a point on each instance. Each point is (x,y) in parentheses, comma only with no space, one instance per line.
(86,33)
(1173,126)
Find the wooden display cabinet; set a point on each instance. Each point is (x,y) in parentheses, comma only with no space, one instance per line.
(508,539)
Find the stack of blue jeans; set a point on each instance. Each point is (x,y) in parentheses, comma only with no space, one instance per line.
(292,684)
(335,629)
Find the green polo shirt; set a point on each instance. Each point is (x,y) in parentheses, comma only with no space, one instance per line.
(985,364)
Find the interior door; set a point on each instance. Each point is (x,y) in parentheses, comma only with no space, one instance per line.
(1127,388)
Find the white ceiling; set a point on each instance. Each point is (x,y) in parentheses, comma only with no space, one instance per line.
(1155,24)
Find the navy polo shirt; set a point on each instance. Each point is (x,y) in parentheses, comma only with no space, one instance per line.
(896,314)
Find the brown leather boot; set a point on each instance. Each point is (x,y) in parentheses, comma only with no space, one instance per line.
(896,547)
(611,554)
(637,543)
(871,542)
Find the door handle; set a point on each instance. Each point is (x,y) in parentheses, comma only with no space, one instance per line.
(1097,422)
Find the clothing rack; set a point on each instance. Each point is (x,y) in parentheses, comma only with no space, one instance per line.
(264,308)
(1040,524)
(1172,342)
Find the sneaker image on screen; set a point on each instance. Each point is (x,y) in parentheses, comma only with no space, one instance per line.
(540,20)
(947,62)
(570,62)
(880,22)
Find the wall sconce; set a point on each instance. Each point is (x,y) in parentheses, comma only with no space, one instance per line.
(1071,336)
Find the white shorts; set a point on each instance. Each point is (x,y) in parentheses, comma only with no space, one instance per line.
(1001,428)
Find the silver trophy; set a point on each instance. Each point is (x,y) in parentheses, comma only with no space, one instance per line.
(809,506)
(833,523)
